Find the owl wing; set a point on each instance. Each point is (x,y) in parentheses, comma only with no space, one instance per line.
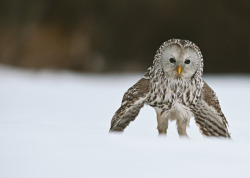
(208,114)
(133,100)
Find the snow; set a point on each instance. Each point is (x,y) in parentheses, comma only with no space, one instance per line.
(55,125)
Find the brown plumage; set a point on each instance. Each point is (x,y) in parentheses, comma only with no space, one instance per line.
(174,95)
(133,100)
(211,122)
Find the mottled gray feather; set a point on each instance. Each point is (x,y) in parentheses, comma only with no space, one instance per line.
(133,100)
(174,97)
(208,114)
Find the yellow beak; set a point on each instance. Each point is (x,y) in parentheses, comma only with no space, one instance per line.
(179,70)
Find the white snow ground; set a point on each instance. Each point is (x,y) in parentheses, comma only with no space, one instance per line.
(55,125)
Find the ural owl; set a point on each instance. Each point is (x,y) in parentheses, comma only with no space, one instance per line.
(174,87)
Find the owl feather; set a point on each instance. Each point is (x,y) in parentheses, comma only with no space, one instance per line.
(133,100)
(174,87)
(208,115)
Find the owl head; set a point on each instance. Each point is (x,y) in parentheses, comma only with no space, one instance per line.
(179,59)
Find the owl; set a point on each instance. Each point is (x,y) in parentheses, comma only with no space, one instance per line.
(174,87)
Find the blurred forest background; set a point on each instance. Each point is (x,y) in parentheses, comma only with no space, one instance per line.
(121,35)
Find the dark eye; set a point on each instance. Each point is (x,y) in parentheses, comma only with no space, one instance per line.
(172,60)
(187,61)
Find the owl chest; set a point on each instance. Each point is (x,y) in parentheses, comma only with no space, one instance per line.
(161,100)
(167,98)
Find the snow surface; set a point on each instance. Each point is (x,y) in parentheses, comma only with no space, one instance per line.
(55,125)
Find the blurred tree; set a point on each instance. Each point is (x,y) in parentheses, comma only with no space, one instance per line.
(109,35)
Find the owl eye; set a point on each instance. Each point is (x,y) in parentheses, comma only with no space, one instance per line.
(187,61)
(172,60)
